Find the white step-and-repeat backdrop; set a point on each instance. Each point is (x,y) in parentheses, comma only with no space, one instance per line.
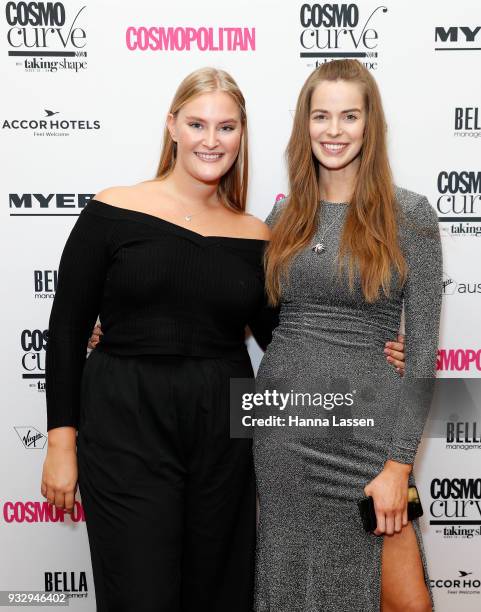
(85,90)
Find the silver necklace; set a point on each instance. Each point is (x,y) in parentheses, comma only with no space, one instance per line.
(188,216)
(320,247)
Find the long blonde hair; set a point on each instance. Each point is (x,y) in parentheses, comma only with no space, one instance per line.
(232,188)
(369,240)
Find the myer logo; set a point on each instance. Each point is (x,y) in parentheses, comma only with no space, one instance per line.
(30,437)
(457,38)
(48,204)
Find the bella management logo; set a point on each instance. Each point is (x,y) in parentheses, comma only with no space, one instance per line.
(467,121)
(47,205)
(463,435)
(459,202)
(73,584)
(457,38)
(455,509)
(43,39)
(49,125)
(334,31)
(160,38)
(30,437)
(45,284)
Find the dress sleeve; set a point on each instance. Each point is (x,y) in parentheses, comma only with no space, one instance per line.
(422,304)
(81,277)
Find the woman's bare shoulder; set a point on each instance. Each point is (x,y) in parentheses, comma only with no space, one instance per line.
(124,196)
(255,228)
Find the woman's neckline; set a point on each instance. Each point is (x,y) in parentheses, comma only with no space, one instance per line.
(130,212)
(335,203)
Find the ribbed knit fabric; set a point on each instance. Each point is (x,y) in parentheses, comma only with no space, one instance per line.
(159,288)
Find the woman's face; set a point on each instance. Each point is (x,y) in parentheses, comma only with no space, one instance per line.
(336,123)
(208,133)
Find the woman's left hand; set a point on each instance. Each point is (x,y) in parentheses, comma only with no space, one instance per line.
(394,352)
(389,490)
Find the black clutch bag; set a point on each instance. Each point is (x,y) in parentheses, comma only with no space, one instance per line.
(368,516)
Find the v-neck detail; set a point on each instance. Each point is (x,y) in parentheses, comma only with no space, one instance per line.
(129,213)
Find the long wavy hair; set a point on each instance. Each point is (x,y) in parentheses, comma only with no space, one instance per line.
(369,240)
(232,188)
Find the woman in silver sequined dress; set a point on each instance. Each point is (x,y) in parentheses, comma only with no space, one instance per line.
(348,248)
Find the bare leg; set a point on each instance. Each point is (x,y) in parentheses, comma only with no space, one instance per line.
(403,588)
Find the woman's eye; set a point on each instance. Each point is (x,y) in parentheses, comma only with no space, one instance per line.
(228,128)
(351,117)
(194,124)
(319,117)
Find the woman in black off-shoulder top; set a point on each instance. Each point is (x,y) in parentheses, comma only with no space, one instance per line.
(169,498)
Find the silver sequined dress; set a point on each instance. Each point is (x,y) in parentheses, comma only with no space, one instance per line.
(313,554)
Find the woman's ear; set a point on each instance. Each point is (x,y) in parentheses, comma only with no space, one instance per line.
(171,126)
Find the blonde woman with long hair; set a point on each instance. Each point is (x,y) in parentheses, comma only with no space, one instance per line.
(174,268)
(347,249)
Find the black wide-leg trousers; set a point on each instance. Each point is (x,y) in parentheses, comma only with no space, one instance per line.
(168,496)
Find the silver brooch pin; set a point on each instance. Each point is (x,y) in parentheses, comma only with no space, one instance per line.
(319,248)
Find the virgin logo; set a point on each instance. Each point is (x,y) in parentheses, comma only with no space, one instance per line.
(459,359)
(39,512)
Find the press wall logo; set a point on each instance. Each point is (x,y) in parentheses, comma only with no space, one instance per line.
(50,125)
(180,38)
(47,205)
(33,343)
(453,287)
(74,584)
(465,583)
(458,360)
(455,508)
(30,436)
(457,38)
(467,121)
(44,38)
(463,435)
(459,202)
(34,511)
(335,31)
(45,284)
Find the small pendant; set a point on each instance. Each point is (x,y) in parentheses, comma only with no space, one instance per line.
(188,217)
(319,248)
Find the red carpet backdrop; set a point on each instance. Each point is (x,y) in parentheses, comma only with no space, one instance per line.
(85,90)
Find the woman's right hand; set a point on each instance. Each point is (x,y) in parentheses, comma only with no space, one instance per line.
(95,337)
(60,473)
